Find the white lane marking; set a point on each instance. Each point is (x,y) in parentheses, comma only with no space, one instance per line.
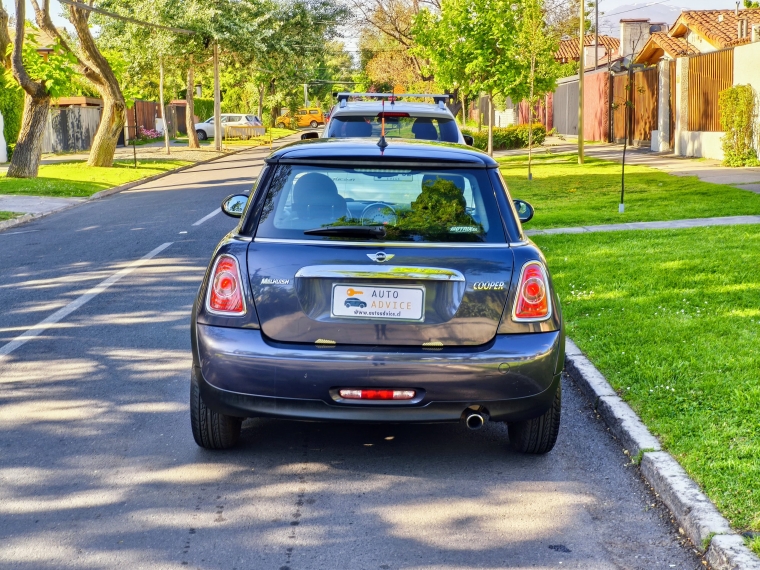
(204,218)
(14,233)
(61,313)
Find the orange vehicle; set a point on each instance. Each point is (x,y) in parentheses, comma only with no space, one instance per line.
(305,117)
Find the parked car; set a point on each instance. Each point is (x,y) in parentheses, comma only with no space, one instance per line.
(305,117)
(460,319)
(409,120)
(205,129)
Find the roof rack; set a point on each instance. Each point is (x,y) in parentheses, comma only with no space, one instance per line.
(438,98)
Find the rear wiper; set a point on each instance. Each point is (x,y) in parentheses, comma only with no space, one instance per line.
(349,231)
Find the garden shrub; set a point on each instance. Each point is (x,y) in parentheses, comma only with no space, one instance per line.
(505,138)
(737,119)
(11,106)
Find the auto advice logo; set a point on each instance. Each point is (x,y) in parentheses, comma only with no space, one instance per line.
(381,256)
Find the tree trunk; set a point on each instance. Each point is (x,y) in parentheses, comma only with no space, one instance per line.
(261,89)
(111,126)
(490,124)
(112,120)
(164,114)
(192,136)
(26,156)
(530,116)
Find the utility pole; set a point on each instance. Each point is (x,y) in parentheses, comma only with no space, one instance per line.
(217,102)
(305,94)
(582,68)
(596,34)
(161,97)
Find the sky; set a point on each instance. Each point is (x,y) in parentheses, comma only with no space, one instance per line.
(55,10)
(613,11)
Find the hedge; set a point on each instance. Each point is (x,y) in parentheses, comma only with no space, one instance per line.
(204,108)
(12,107)
(505,138)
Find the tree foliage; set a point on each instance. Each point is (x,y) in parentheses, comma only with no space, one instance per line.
(385,42)
(268,49)
(484,46)
(737,118)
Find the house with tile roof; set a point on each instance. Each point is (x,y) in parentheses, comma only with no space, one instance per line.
(701,31)
(569,49)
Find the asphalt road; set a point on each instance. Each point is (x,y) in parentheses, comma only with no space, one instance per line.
(98,468)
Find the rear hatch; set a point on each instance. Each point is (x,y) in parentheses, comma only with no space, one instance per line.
(380,256)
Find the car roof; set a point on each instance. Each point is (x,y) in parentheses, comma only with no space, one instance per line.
(342,150)
(414,109)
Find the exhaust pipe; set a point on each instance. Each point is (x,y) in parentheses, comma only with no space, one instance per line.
(474,419)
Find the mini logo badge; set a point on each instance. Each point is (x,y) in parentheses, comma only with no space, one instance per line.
(381,256)
(269,281)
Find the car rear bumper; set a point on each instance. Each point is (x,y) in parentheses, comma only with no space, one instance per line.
(242,373)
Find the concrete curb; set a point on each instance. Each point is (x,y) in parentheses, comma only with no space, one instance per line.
(116,189)
(7,224)
(701,522)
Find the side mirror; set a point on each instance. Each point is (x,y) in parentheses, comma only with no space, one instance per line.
(468,140)
(524,210)
(234,205)
(311,135)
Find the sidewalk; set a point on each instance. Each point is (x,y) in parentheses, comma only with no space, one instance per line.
(672,224)
(747,178)
(36,206)
(147,151)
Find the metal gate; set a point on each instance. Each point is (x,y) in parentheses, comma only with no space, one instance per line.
(565,107)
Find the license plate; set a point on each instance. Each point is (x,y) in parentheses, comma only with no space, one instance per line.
(369,302)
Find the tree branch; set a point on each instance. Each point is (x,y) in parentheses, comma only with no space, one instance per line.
(42,17)
(5,38)
(95,61)
(33,89)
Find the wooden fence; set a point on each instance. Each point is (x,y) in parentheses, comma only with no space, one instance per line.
(642,116)
(672,106)
(70,129)
(709,74)
(147,111)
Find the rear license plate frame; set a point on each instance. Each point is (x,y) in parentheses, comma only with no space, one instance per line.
(360,286)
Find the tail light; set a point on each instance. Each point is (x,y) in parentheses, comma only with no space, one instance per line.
(356,394)
(225,291)
(533,302)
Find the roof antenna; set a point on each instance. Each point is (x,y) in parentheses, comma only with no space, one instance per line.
(382,143)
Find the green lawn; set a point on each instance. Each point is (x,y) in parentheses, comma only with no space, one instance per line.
(566,194)
(672,318)
(75,179)
(9,215)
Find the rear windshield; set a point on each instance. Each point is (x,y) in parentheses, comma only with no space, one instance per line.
(431,205)
(420,128)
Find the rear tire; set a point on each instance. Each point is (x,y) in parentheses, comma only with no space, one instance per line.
(202,136)
(314,124)
(211,430)
(280,125)
(538,435)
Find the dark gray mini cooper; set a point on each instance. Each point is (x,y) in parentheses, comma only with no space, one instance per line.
(370,284)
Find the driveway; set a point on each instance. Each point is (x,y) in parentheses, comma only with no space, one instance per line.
(98,468)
